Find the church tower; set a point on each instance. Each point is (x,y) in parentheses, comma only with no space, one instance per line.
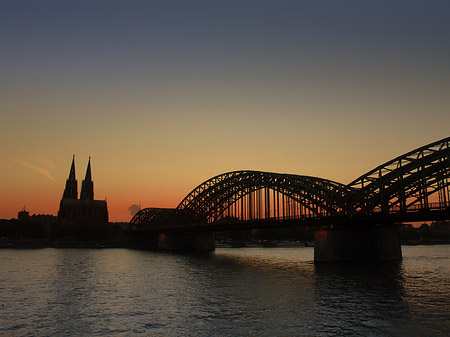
(87,186)
(71,190)
(76,215)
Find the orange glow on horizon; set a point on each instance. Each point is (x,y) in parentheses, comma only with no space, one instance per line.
(42,196)
(163,105)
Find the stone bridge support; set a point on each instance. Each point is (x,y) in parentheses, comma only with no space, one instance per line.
(187,241)
(362,243)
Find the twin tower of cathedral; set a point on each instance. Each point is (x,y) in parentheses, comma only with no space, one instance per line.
(85,210)
(87,187)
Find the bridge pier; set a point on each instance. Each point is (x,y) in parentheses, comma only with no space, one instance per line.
(363,243)
(185,241)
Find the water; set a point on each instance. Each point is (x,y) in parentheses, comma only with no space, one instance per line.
(232,292)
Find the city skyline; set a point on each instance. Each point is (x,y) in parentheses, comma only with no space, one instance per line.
(165,95)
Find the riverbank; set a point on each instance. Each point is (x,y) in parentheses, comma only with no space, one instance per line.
(73,243)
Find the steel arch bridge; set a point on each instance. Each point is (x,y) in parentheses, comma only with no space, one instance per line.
(406,182)
(414,182)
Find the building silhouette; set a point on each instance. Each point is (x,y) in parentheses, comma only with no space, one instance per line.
(84,211)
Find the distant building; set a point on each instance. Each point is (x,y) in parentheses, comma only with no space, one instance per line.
(441,228)
(83,211)
(23,215)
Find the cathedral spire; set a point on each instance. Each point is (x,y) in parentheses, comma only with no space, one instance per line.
(87,187)
(71,190)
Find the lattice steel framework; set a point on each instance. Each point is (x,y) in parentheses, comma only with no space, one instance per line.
(253,194)
(159,217)
(406,182)
(411,181)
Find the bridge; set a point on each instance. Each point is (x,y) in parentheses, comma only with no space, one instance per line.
(412,187)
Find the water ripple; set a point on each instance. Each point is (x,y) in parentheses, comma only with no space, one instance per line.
(245,292)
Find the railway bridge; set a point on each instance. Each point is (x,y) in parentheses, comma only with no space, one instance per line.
(353,221)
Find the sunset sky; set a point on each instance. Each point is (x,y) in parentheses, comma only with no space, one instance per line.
(165,94)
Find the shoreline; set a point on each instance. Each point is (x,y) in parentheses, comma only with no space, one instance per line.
(83,244)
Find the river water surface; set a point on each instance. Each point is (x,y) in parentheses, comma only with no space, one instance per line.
(231,292)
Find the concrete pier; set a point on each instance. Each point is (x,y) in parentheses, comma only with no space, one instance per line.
(363,243)
(194,241)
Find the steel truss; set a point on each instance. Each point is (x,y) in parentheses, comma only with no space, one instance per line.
(254,192)
(406,182)
(409,182)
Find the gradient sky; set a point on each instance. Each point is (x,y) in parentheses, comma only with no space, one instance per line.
(165,94)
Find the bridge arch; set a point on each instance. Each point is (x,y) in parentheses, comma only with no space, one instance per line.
(406,182)
(151,218)
(254,194)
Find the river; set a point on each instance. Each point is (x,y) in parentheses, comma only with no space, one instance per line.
(231,292)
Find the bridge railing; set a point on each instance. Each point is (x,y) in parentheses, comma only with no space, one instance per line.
(416,207)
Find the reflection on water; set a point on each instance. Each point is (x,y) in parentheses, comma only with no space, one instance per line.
(245,292)
(362,298)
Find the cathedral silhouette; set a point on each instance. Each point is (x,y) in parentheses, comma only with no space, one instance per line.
(85,210)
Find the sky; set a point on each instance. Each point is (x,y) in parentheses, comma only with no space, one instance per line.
(164,95)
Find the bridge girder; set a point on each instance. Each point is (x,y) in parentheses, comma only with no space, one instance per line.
(149,218)
(320,196)
(405,181)
(397,185)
